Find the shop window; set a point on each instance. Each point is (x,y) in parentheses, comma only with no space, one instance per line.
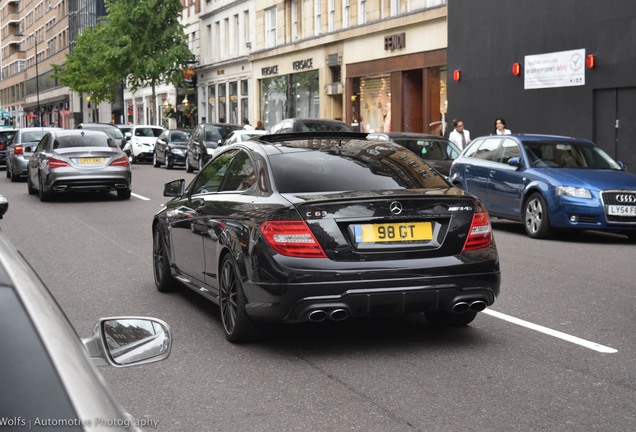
(222,103)
(211,104)
(375,103)
(234,103)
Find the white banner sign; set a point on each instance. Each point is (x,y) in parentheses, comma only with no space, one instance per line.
(558,69)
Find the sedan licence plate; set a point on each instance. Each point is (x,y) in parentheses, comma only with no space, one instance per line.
(90,161)
(621,210)
(393,232)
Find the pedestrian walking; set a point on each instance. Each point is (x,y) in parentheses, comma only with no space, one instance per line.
(500,127)
(460,135)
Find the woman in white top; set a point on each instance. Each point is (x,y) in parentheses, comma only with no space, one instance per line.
(500,127)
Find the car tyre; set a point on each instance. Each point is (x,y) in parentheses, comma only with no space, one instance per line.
(12,175)
(155,162)
(44,196)
(169,162)
(30,188)
(631,235)
(450,319)
(201,163)
(188,166)
(124,194)
(237,325)
(535,217)
(164,281)
(8,171)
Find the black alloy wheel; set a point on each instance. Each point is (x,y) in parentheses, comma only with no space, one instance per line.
(450,319)
(238,327)
(44,196)
(188,166)
(535,217)
(164,281)
(30,188)
(124,194)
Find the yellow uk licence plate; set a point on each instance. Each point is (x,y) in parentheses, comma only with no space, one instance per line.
(90,161)
(393,232)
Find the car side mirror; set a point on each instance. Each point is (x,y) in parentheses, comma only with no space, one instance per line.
(515,162)
(129,341)
(4,205)
(127,135)
(174,188)
(623,166)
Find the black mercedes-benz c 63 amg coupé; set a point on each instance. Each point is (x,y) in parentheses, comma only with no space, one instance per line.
(325,225)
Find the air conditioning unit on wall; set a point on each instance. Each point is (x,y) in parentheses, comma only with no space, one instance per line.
(333,89)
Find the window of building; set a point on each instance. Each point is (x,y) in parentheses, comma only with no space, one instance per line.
(245,99)
(294,20)
(346,13)
(222,103)
(331,17)
(317,18)
(234,112)
(212,104)
(362,12)
(375,103)
(270,27)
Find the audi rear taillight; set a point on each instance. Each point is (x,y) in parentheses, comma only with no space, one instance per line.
(480,233)
(121,161)
(292,238)
(57,163)
(17,150)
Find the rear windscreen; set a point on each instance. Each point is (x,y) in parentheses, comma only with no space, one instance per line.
(326,171)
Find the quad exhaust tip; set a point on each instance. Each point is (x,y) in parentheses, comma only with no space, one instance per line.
(465,306)
(319,315)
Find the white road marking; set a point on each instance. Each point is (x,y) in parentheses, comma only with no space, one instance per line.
(140,197)
(555,333)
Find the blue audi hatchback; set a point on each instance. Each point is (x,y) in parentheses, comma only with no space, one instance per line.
(549,183)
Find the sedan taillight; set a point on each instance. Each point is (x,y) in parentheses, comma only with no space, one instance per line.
(57,163)
(17,150)
(120,161)
(480,234)
(292,238)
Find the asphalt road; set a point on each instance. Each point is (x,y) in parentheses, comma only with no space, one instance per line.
(568,366)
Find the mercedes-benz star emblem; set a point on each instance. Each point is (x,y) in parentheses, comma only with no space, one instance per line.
(395,207)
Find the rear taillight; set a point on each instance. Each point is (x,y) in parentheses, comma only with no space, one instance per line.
(480,234)
(57,163)
(292,238)
(120,161)
(17,150)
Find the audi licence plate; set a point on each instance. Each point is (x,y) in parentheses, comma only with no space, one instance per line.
(393,232)
(621,210)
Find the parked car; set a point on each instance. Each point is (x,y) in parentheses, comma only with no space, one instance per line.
(112,130)
(203,141)
(549,183)
(124,128)
(309,227)
(309,125)
(6,135)
(78,160)
(140,141)
(437,151)
(170,148)
(20,149)
(48,373)
(242,135)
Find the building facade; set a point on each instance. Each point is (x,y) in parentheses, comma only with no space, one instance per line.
(378,65)
(528,63)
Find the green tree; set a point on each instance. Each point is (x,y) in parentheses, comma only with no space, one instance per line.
(141,42)
(88,70)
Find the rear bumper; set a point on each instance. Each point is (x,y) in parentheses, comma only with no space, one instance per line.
(87,183)
(391,291)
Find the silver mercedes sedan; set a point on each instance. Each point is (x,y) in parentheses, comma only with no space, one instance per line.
(78,160)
